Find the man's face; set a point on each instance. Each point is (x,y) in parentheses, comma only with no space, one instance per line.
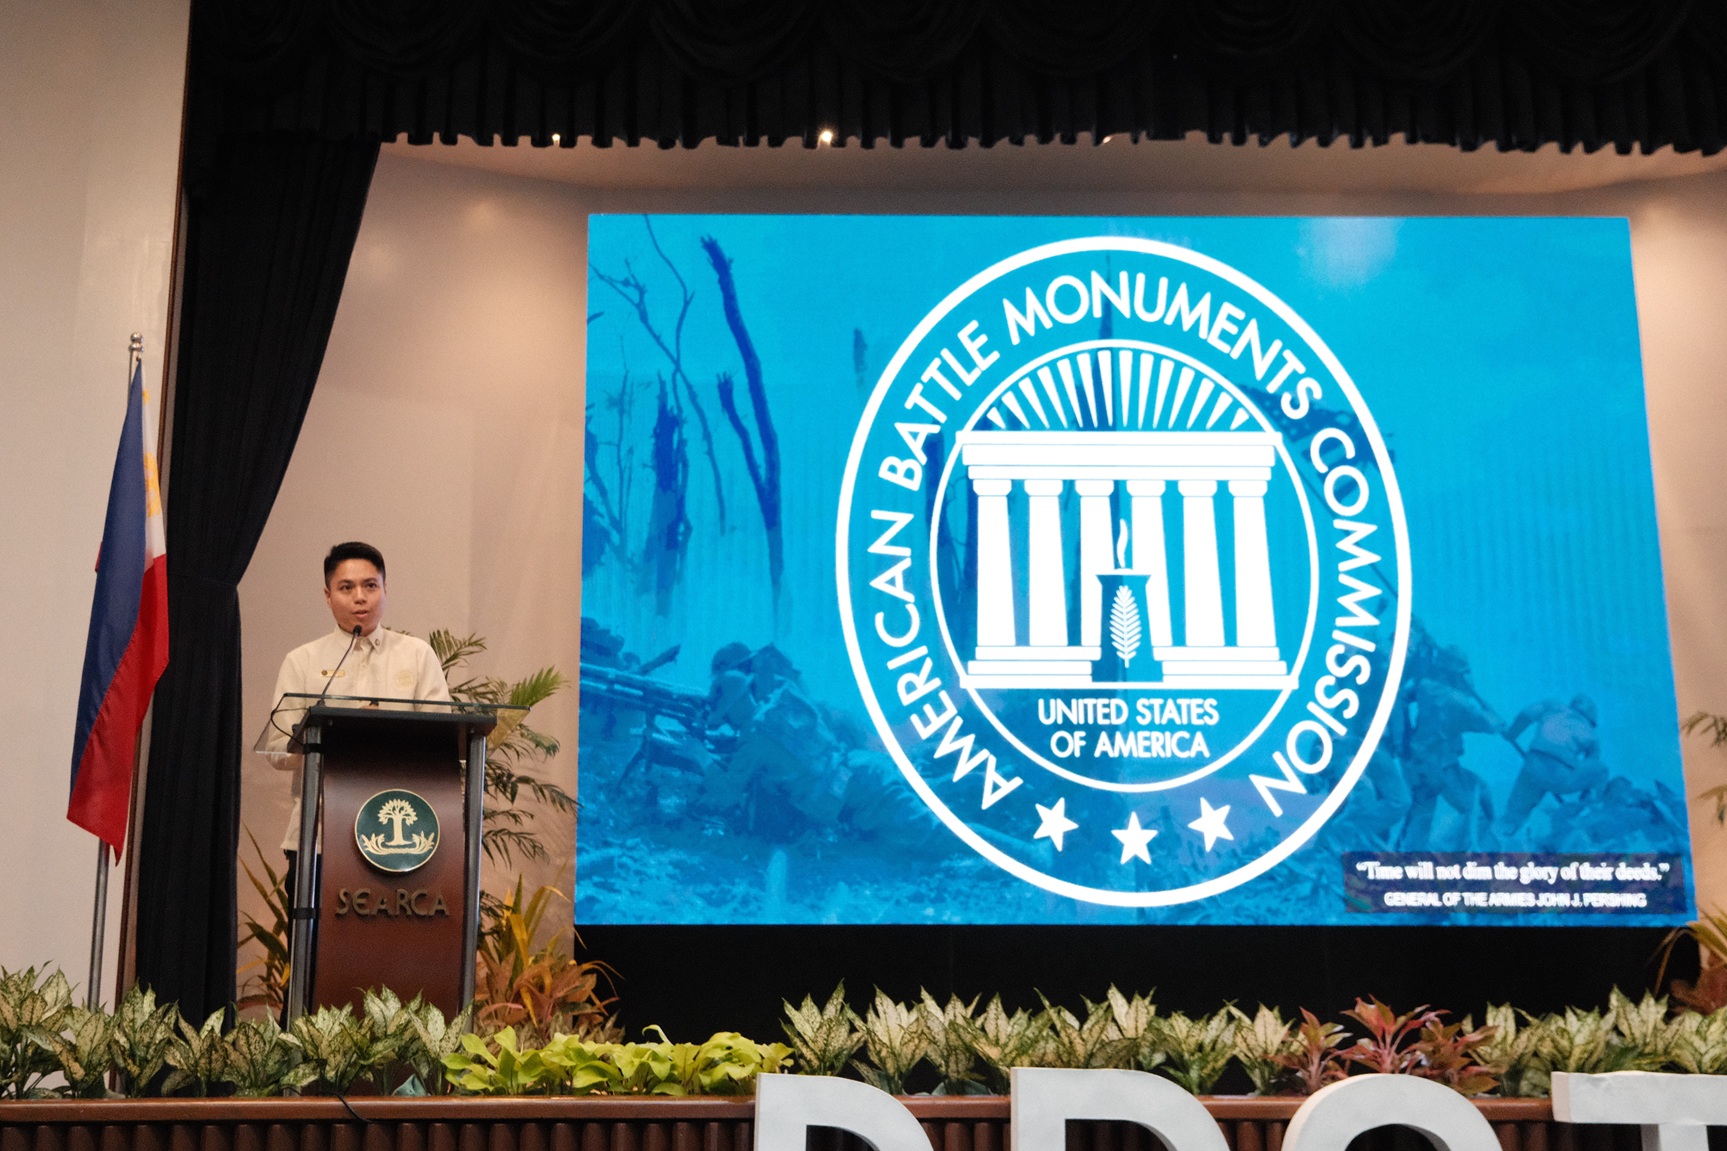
(355,594)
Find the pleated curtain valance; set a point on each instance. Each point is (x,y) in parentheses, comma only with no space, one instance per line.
(1513,74)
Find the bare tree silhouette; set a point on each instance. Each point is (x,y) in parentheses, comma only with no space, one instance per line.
(634,292)
(668,520)
(764,467)
(605,511)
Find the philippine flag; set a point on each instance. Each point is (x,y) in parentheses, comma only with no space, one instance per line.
(128,644)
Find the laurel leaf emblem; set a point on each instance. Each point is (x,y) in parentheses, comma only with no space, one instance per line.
(1124,626)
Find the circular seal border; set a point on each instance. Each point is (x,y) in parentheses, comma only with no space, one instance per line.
(1394,669)
(437,824)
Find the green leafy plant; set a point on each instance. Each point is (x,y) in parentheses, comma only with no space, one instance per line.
(952,1050)
(435,1040)
(1261,1046)
(1642,1028)
(1699,1043)
(728,1047)
(198,1057)
(727,1064)
(514,750)
(1315,1059)
(824,1038)
(84,1051)
(1198,1050)
(1512,1052)
(263,1060)
(337,1045)
(1135,1022)
(33,1011)
(1585,1042)
(390,1024)
(144,1033)
(1006,1041)
(578,1068)
(643,1068)
(895,1039)
(496,1066)
(267,985)
(1094,1042)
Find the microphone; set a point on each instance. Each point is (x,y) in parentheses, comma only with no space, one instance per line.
(331,678)
(328,680)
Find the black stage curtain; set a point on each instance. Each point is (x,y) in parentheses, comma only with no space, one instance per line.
(271,226)
(1515,74)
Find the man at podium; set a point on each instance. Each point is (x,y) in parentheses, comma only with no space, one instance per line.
(356,658)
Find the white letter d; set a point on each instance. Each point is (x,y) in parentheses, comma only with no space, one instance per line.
(787,1106)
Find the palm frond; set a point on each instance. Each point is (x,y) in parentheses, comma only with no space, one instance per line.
(511,745)
(501,845)
(539,741)
(1719,796)
(538,687)
(546,792)
(479,689)
(453,650)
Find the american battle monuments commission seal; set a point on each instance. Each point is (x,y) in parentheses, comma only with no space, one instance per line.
(1123,571)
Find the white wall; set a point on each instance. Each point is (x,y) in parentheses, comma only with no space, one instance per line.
(446,424)
(90,140)
(1679,248)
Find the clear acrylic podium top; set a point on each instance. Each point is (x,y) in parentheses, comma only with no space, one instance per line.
(282,729)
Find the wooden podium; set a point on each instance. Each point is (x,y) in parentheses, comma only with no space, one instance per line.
(393,791)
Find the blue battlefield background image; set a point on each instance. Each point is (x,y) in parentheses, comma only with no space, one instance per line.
(729,772)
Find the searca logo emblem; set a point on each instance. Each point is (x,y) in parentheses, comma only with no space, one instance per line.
(1123,571)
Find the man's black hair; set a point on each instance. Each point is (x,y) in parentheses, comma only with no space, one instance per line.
(352,550)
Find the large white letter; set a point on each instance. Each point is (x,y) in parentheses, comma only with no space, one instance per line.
(1334,1115)
(787,1106)
(1045,1098)
(1675,1111)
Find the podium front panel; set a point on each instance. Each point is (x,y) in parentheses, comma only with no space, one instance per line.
(392,901)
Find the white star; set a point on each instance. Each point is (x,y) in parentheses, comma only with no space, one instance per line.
(1134,838)
(1210,823)
(1055,822)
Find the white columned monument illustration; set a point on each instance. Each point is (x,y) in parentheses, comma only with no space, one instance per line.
(1203,466)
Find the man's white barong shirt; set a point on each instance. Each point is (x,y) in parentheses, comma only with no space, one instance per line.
(385,664)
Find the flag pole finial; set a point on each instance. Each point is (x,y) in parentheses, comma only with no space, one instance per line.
(137,342)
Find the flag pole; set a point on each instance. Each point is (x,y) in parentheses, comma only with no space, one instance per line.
(98,927)
(99,915)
